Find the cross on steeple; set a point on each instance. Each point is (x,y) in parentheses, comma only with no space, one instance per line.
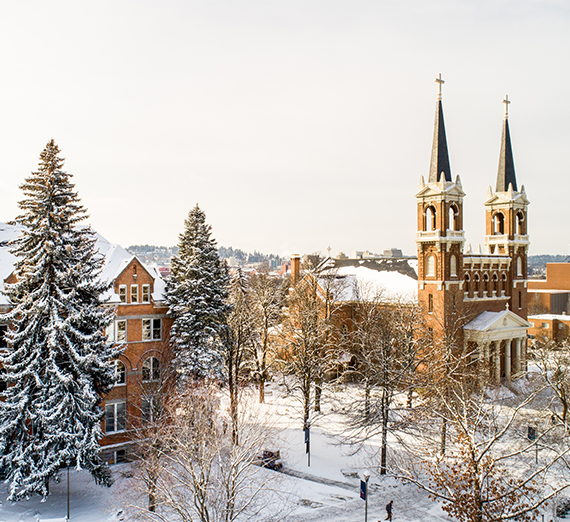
(439,82)
(507,103)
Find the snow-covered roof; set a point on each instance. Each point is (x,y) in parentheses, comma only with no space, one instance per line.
(388,281)
(496,320)
(116,260)
(549,317)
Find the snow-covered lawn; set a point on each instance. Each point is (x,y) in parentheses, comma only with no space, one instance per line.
(328,490)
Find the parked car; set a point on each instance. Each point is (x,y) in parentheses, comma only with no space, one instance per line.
(269,459)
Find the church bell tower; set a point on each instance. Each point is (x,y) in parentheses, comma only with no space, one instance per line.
(507,222)
(440,235)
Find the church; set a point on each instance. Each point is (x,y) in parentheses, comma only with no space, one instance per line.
(488,288)
(482,295)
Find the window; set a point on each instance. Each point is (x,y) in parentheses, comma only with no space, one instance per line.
(151,329)
(121,331)
(115,417)
(430,303)
(430,219)
(453,217)
(520,299)
(151,370)
(498,224)
(120,373)
(466,284)
(150,409)
(520,223)
(146,293)
(134,293)
(519,266)
(545,325)
(123,293)
(3,341)
(453,266)
(430,266)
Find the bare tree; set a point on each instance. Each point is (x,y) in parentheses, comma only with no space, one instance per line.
(306,336)
(267,297)
(239,342)
(385,343)
(488,472)
(203,475)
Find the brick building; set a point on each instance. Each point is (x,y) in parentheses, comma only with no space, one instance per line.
(141,325)
(488,287)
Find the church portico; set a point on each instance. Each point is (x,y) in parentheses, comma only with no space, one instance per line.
(499,338)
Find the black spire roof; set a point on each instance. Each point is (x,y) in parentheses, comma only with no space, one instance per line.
(439,155)
(506,173)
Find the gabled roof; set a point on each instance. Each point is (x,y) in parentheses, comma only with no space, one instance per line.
(439,189)
(439,166)
(506,173)
(496,321)
(116,259)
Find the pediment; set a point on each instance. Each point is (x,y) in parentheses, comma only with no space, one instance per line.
(439,189)
(497,321)
(504,198)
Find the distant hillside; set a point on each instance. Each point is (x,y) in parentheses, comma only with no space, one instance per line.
(161,255)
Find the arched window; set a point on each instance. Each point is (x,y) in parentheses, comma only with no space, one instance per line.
(453,217)
(503,282)
(120,373)
(429,224)
(498,224)
(519,266)
(486,285)
(520,223)
(495,285)
(476,288)
(453,266)
(151,370)
(430,266)
(466,283)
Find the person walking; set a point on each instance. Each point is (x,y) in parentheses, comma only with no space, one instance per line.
(389,510)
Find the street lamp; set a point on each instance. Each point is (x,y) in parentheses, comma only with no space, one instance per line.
(366,478)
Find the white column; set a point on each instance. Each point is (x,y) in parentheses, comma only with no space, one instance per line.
(518,361)
(508,359)
(497,352)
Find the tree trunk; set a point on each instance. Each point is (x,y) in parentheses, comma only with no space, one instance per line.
(443,436)
(261,389)
(410,398)
(318,393)
(384,448)
(366,398)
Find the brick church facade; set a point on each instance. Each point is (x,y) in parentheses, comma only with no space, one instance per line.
(488,288)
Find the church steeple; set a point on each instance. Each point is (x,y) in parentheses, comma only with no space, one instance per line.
(506,174)
(439,167)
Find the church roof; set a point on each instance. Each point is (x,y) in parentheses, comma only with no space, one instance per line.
(506,173)
(439,167)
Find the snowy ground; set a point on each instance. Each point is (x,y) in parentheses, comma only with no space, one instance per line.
(326,491)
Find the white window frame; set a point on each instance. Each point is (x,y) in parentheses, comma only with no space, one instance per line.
(453,266)
(135,294)
(119,330)
(145,296)
(124,372)
(123,293)
(117,409)
(151,329)
(154,369)
(430,265)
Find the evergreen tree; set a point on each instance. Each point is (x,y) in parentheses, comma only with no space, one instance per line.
(59,364)
(197,296)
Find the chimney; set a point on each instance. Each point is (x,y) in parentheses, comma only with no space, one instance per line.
(295,269)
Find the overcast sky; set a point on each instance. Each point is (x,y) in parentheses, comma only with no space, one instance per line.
(295,125)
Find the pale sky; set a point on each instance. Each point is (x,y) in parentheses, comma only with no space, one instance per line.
(295,125)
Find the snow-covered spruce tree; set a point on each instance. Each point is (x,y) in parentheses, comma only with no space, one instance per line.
(59,364)
(197,296)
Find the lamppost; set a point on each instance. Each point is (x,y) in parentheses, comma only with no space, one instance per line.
(366,478)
